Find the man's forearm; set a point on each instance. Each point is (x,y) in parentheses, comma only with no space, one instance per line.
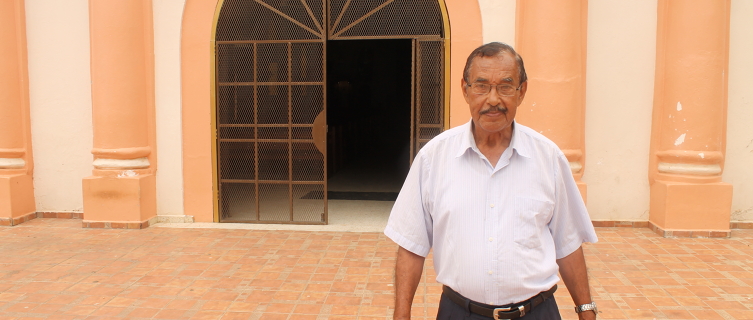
(575,275)
(408,269)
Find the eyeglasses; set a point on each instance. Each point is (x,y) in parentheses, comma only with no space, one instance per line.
(502,89)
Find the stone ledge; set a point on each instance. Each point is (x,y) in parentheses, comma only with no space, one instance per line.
(689,233)
(175,219)
(60,215)
(118,224)
(620,224)
(8,222)
(741,225)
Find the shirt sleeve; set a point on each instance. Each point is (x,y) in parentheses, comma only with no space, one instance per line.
(570,225)
(410,225)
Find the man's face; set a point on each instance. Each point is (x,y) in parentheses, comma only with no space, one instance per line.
(493,112)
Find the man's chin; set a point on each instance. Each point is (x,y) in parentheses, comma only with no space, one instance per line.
(495,126)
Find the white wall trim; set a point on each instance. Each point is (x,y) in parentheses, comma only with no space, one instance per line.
(121,164)
(689,168)
(12,163)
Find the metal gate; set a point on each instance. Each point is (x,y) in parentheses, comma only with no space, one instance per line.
(271,97)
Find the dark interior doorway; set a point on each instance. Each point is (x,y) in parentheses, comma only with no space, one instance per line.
(368,114)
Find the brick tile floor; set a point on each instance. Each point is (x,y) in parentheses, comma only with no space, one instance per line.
(54,269)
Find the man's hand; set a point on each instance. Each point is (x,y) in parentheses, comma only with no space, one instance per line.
(408,269)
(574,273)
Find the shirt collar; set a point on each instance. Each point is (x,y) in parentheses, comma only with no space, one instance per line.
(467,141)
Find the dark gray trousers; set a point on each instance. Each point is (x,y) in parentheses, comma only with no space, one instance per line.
(449,310)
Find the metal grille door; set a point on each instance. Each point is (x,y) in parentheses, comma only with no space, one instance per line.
(270,96)
(385,19)
(270,111)
(429,91)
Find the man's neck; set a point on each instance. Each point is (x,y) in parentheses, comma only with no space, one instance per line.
(492,144)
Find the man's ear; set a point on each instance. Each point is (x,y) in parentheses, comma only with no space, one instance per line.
(523,89)
(464,87)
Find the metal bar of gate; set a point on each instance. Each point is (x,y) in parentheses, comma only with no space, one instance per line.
(257,198)
(412,100)
(290,130)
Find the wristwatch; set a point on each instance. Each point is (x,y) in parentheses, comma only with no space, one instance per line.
(586,307)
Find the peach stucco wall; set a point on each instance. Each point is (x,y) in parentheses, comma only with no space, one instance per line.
(738,169)
(60,100)
(466,34)
(196,120)
(621,48)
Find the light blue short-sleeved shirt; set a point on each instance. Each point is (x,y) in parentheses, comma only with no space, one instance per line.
(497,231)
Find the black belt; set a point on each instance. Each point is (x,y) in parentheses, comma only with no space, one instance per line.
(511,311)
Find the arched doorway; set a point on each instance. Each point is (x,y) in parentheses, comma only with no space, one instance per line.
(272,92)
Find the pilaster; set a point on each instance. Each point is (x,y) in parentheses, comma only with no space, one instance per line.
(16,185)
(122,190)
(689,119)
(551,38)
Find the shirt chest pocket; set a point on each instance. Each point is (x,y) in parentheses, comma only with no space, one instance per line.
(531,219)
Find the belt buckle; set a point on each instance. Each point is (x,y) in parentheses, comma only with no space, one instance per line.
(521,309)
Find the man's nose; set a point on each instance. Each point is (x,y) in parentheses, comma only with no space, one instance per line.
(493,97)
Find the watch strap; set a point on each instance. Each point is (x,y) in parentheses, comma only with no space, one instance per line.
(586,307)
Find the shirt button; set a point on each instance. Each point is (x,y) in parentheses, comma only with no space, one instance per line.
(491,239)
(490,272)
(491,205)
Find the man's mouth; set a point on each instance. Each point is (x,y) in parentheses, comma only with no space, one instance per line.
(494,110)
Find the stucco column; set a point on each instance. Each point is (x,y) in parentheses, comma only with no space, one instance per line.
(689,120)
(16,187)
(121,193)
(551,38)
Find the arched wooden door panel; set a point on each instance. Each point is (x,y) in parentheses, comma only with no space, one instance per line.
(271,97)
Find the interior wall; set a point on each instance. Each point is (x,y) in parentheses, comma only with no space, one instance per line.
(60,98)
(619,102)
(738,165)
(498,18)
(167,27)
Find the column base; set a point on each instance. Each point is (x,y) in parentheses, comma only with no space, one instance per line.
(120,202)
(16,199)
(680,209)
(583,188)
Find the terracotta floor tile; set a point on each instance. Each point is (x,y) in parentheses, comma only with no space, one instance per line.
(343,300)
(287,295)
(663,301)
(621,289)
(273,316)
(280,308)
(740,314)
(143,313)
(678,314)
(254,274)
(206,315)
(639,314)
(48,308)
(170,314)
(344,309)
(706,314)
(108,311)
(638,303)
(215,305)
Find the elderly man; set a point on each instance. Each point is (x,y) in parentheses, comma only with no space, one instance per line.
(499,206)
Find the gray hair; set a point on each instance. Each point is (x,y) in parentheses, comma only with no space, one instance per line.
(493,49)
